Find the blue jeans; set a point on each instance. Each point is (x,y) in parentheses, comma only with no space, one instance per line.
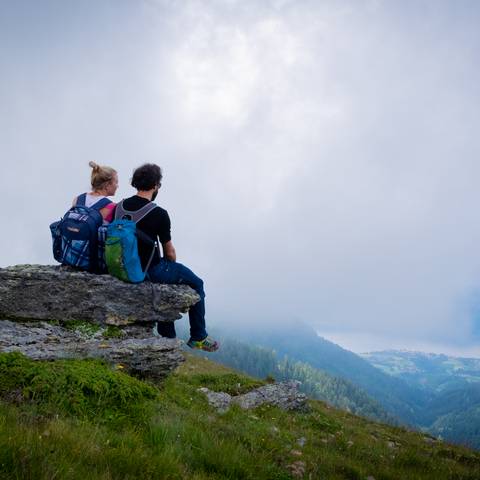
(176,273)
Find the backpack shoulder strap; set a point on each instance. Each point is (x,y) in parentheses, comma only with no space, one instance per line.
(102,203)
(142,212)
(81,199)
(137,215)
(119,211)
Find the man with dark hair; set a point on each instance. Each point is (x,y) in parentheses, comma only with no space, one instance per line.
(156,224)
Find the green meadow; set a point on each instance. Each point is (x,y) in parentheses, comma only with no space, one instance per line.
(86,420)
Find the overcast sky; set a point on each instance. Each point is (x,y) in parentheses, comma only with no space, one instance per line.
(321,158)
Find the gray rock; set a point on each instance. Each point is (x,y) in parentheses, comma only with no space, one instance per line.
(219,400)
(284,395)
(46,292)
(301,442)
(153,357)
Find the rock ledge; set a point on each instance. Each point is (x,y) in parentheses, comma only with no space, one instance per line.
(47,292)
(37,302)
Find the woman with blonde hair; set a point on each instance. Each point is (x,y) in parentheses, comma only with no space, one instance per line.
(79,237)
(104,181)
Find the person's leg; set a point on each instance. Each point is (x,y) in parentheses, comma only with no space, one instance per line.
(176,273)
(167,329)
(160,274)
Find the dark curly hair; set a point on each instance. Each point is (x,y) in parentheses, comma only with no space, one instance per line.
(146,177)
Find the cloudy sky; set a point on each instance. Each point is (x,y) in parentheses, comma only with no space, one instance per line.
(321,158)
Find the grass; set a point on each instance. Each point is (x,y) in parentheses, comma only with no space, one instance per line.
(82,389)
(82,419)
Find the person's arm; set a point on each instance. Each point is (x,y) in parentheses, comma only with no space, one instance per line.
(169,251)
(164,237)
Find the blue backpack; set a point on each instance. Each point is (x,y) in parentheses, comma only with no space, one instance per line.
(121,245)
(76,236)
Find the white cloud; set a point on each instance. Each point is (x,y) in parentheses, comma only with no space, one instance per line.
(320,159)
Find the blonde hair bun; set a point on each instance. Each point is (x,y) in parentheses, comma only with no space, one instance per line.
(94,166)
(100,175)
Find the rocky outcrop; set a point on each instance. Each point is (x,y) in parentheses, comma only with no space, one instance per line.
(152,357)
(46,292)
(38,304)
(284,395)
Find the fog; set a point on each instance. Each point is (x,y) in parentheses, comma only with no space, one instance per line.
(320,159)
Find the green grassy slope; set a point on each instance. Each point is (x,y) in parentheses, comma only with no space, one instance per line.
(81,419)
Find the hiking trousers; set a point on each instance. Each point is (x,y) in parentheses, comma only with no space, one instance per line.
(175,273)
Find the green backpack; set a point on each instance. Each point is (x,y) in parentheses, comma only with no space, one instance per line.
(121,245)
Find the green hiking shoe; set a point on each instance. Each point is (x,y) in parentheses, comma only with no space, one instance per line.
(207,344)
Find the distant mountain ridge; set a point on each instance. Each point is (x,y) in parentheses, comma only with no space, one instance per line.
(427,370)
(453,383)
